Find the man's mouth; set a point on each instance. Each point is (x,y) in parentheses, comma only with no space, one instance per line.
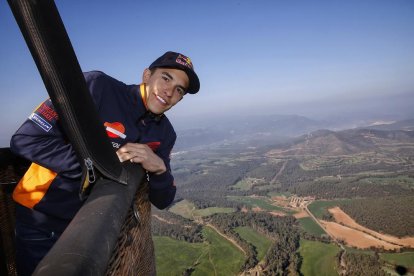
(161,100)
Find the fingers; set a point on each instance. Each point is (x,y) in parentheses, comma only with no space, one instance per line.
(133,152)
(141,153)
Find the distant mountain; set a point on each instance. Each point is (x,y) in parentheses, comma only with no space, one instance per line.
(400,125)
(261,129)
(273,129)
(330,143)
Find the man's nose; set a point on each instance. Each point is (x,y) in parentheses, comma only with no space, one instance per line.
(169,90)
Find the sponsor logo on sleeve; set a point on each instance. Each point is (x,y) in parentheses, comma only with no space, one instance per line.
(47,113)
(38,120)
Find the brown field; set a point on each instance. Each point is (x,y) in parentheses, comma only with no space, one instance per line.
(277,214)
(284,202)
(301,214)
(280,201)
(354,237)
(365,235)
(257,209)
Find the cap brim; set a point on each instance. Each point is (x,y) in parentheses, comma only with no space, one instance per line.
(194,86)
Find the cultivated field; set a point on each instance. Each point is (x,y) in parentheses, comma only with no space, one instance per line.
(366,237)
(320,207)
(405,259)
(318,258)
(188,210)
(354,237)
(261,242)
(310,226)
(217,255)
(263,203)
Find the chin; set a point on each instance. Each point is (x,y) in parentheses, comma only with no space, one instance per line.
(157,111)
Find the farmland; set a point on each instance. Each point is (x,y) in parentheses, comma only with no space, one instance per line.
(282,194)
(318,258)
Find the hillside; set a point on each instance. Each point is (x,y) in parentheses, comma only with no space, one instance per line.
(399,125)
(330,143)
(337,164)
(237,183)
(251,129)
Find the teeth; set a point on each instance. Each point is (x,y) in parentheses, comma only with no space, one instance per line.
(161,100)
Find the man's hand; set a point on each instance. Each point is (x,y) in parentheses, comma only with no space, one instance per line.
(141,153)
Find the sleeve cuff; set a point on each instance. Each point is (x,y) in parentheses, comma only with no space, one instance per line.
(161,181)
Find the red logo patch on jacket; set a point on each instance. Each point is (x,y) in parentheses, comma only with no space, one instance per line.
(115,130)
(154,145)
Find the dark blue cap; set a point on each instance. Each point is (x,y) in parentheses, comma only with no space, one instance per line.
(182,62)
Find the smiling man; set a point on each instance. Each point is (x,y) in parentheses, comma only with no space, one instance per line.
(50,193)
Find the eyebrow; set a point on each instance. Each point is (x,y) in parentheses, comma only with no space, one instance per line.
(171,77)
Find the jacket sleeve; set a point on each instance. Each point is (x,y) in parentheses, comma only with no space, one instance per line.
(40,139)
(162,188)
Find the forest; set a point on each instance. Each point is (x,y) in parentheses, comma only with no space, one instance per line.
(283,231)
(390,215)
(378,178)
(362,264)
(175,226)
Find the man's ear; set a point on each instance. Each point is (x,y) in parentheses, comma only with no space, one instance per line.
(146,75)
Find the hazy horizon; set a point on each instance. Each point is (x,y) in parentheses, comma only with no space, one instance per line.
(316,59)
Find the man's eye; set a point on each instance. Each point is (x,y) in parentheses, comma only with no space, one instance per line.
(165,78)
(181,92)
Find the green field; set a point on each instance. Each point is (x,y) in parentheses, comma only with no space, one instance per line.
(285,194)
(359,251)
(212,210)
(216,256)
(261,202)
(188,210)
(318,258)
(310,226)
(172,257)
(247,183)
(402,180)
(183,208)
(405,259)
(320,207)
(261,242)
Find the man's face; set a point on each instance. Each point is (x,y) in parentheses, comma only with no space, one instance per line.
(165,88)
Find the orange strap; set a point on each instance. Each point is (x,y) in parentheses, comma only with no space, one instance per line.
(33,186)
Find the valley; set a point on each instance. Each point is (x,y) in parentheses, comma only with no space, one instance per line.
(350,190)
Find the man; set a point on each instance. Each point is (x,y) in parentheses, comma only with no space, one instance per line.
(133,115)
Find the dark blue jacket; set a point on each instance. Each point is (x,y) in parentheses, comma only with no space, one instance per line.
(50,188)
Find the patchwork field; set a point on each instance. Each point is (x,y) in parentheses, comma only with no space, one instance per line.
(260,203)
(261,242)
(320,207)
(216,256)
(310,226)
(354,237)
(405,259)
(185,255)
(314,173)
(318,258)
(188,210)
(342,218)
(247,183)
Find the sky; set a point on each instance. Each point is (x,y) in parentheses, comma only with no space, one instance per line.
(263,56)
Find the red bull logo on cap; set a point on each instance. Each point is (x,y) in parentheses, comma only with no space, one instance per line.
(183,60)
